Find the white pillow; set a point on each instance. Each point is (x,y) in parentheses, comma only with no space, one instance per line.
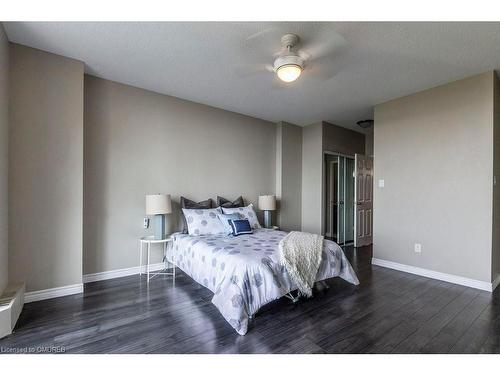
(224,219)
(244,213)
(203,221)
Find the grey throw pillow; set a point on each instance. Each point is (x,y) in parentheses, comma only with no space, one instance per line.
(188,203)
(223,202)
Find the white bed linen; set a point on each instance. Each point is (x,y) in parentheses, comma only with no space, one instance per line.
(244,272)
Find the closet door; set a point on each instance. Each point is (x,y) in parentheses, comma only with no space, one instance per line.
(363,193)
(331,217)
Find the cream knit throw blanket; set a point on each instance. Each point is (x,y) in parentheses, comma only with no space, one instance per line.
(300,253)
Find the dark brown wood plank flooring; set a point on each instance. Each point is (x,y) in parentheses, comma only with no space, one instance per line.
(389,312)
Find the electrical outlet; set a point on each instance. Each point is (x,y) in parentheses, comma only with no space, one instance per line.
(418,248)
(146,223)
(381,183)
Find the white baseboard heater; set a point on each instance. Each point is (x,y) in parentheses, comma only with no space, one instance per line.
(11,304)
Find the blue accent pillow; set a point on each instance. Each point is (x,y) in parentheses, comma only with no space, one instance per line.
(240,226)
(224,218)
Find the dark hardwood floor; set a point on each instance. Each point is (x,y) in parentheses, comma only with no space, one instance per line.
(389,312)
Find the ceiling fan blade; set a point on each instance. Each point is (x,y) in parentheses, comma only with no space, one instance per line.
(261,34)
(248,70)
(267,40)
(322,44)
(323,69)
(258,50)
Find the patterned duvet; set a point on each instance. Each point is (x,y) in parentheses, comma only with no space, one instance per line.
(244,272)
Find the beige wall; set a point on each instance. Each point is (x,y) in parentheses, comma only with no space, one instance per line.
(495,268)
(369,142)
(46,167)
(341,140)
(289,175)
(4,156)
(312,175)
(434,149)
(139,142)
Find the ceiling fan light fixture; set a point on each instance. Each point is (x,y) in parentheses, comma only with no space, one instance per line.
(288,67)
(365,123)
(289,73)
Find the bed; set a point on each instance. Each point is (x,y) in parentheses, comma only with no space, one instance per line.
(244,272)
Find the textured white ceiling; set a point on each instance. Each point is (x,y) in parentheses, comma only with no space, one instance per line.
(207,62)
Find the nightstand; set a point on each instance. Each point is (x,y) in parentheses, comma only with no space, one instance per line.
(149,240)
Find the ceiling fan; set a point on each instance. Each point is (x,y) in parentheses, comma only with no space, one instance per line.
(289,65)
(312,54)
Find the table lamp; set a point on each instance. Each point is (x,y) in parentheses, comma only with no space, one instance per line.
(158,205)
(267,203)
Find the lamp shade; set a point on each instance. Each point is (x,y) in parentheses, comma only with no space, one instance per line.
(267,202)
(158,204)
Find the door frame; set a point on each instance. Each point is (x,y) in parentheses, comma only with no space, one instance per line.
(324,195)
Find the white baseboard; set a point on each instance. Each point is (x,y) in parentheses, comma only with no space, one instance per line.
(477,284)
(39,295)
(91,277)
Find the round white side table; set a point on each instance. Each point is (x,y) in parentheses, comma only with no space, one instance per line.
(148,241)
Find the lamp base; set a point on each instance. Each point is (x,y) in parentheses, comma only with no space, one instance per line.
(267,219)
(159,227)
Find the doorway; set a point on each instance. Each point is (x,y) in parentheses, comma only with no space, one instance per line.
(339,210)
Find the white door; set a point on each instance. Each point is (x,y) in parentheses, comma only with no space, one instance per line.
(363,193)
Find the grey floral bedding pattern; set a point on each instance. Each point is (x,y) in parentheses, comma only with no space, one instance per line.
(244,272)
